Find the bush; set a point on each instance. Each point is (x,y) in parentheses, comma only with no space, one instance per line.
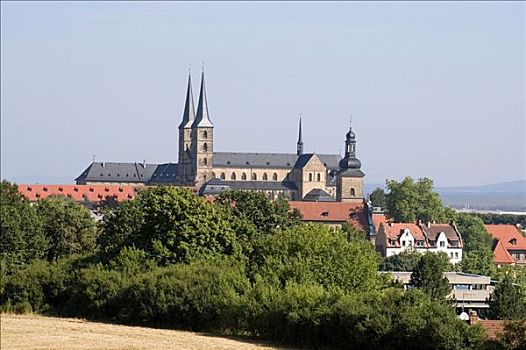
(315,254)
(204,295)
(39,287)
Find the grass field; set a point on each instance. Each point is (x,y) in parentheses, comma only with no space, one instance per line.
(40,332)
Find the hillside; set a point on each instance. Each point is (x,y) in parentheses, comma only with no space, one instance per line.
(39,332)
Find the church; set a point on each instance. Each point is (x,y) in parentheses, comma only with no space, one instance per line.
(293,176)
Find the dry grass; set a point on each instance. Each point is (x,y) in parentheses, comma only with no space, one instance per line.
(40,332)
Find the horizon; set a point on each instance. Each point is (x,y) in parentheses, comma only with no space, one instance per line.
(428,100)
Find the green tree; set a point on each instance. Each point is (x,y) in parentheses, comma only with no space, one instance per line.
(478,253)
(255,207)
(377,198)
(405,261)
(409,201)
(315,254)
(21,236)
(68,226)
(508,301)
(428,275)
(172,225)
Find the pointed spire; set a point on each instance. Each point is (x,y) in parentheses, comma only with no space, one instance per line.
(189,112)
(202,118)
(299,145)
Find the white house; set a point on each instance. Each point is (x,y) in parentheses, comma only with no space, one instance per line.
(394,238)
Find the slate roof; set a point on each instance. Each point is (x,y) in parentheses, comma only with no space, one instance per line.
(202,119)
(117,172)
(318,195)
(267,160)
(352,173)
(302,160)
(434,230)
(215,186)
(165,174)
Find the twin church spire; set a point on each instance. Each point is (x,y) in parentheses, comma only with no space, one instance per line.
(201,118)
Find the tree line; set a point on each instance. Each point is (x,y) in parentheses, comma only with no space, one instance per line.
(240,265)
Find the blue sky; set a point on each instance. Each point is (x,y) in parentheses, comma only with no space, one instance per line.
(435,89)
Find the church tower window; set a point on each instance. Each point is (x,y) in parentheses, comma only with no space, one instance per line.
(319,177)
(353,192)
(310,176)
(205,162)
(205,147)
(205,134)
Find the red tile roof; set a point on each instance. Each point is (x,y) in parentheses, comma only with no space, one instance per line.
(378,219)
(501,255)
(79,193)
(508,238)
(508,235)
(492,327)
(394,230)
(333,213)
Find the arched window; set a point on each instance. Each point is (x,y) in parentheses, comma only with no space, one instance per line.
(310,176)
(254,176)
(233,176)
(205,162)
(205,134)
(223,176)
(275,177)
(213,175)
(205,147)
(353,192)
(265,177)
(243,176)
(318,177)
(204,177)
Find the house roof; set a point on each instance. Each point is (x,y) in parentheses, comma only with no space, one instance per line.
(215,186)
(501,254)
(493,327)
(333,212)
(318,195)
(79,193)
(267,160)
(302,160)
(379,218)
(433,231)
(508,235)
(118,172)
(394,230)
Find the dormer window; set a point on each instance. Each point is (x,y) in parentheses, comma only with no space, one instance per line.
(325,213)
(513,241)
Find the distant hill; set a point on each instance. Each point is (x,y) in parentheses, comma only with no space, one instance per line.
(503,187)
(504,196)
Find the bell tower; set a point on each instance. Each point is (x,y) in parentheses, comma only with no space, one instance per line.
(349,179)
(185,174)
(202,134)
